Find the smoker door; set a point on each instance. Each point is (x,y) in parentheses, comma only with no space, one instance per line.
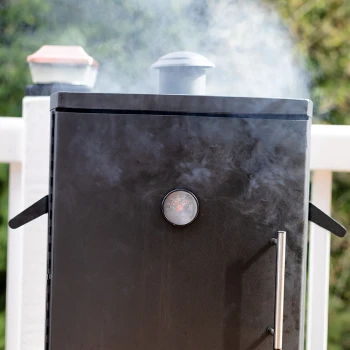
(123,278)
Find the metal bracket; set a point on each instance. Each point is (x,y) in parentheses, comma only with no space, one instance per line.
(39,208)
(320,218)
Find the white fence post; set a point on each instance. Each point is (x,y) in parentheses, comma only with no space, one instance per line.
(14,262)
(11,139)
(319,258)
(28,246)
(11,151)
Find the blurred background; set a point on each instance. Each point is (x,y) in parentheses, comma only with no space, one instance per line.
(266,48)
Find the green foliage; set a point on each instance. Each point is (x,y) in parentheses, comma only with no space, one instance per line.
(18,21)
(339,313)
(322,29)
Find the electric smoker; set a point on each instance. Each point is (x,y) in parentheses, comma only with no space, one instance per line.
(177,222)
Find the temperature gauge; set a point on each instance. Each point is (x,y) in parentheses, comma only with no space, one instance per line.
(180,207)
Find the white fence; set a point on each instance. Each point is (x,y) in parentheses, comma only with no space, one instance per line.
(24,144)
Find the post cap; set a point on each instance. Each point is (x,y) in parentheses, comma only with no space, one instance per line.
(61,55)
(62,64)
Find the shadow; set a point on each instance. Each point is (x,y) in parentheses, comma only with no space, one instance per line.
(257,256)
(257,342)
(233,296)
(233,303)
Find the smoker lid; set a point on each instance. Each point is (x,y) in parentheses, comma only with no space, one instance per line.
(213,105)
(183,59)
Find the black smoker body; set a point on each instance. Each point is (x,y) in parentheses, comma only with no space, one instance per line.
(121,276)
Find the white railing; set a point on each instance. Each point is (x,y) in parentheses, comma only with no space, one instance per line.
(24,144)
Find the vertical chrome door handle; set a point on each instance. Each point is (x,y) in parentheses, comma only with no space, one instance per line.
(280,275)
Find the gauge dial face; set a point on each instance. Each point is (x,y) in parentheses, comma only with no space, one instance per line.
(180,207)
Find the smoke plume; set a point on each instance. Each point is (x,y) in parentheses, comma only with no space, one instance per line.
(249,43)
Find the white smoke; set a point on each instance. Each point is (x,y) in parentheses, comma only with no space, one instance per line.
(254,53)
(250,45)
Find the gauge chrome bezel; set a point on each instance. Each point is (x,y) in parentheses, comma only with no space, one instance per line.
(178,190)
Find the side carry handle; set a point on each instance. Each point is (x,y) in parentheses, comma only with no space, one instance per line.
(320,218)
(39,208)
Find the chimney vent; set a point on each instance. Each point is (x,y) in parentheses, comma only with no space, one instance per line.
(182,73)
